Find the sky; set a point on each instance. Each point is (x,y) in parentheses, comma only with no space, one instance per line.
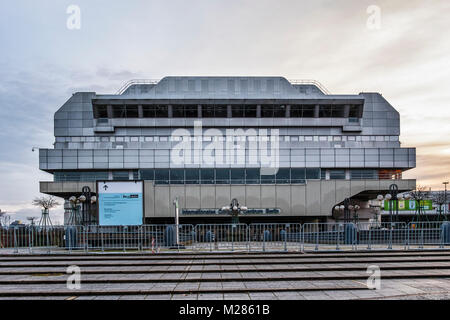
(398,48)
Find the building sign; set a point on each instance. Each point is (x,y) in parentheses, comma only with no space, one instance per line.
(249,211)
(409,205)
(120,203)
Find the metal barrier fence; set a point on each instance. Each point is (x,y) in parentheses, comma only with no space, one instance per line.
(384,235)
(328,236)
(428,234)
(274,236)
(228,237)
(215,237)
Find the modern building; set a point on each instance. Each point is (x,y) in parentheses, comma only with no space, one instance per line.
(288,150)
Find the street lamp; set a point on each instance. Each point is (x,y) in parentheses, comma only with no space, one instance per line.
(234,209)
(83,202)
(347,208)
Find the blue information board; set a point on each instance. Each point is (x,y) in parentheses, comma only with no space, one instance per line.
(120,203)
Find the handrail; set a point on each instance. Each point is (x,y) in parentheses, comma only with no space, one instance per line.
(136,81)
(155,81)
(311,82)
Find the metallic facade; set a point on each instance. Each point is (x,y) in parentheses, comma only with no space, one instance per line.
(330,146)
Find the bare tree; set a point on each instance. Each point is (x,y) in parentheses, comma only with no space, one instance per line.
(419,194)
(440,199)
(46,202)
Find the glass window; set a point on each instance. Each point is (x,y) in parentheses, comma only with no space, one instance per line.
(191,111)
(338,111)
(192,176)
(250,112)
(207,176)
(148,111)
(177,176)
(237,111)
(354,111)
(337,174)
(283,176)
(267,178)
(266,111)
(132,111)
(147,174)
(279,111)
(357,174)
(162,176)
(312,173)
(100,112)
(223,176)
(207,111)
(162,111)
(120,175)
(118,111)
(297,175)
(308,111)
(177,111)
(325,111)
(252,176)
(221,111)
(237,176)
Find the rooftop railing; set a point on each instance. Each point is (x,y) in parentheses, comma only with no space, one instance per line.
(155,81)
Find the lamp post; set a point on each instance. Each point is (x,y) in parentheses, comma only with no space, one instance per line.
(234,209)
(346,208)
(83,202)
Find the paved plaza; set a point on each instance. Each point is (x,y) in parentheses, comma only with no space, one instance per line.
(228,276)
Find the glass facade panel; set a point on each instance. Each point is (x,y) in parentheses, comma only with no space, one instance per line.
(223,176)
(252,176)
(161,176)
(237,176)
(207,176)
(283,176)
(177,176)
(192,176)
(312,173)
(337,174)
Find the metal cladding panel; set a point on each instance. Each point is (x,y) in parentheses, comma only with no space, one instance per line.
(283,200)
(313,198)
(252,196)
(298,200)
(163,203)
(208,196)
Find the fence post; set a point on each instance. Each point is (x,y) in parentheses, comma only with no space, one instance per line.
(69,235)
(369,240)
(232,236)
(247,235)
(285,237)
(101,237)
(390,237)
(317,238)
(16,249)
(421,238)
(338,234)
(302,238)
(264,239)
(46,236)
(30,239)
(123,236)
